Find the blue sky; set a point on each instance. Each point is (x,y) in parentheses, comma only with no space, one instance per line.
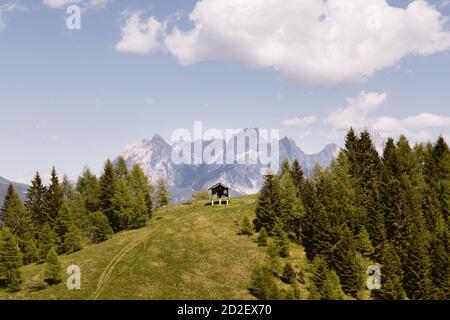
(74,97)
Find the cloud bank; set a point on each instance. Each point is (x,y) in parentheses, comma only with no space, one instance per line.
(317,42)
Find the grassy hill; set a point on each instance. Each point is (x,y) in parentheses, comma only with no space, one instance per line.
(184,252)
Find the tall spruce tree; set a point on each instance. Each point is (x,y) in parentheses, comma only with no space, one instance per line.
(162,193)
(268,209)
(107,193)
(35,202)
(139,184)
(121,168)
(53,198)
(89,189)
(291,207)
(297,177)
(347,264)
(391,276)
(10,260)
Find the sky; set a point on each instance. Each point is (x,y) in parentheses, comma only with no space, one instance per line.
(311,68)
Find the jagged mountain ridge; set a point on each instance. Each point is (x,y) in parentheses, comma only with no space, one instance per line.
(154,157)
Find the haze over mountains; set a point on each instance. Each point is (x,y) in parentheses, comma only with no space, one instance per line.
(154,156)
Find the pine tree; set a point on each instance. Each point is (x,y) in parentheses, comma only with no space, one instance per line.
(162,193)
(288,275)
(47,240)
(262,237)
(246,228)
(53,198)
(364,244)
(12,210)
(139,183)
(440,265)
(73,240)
(291,207)
(391,276)
(281,240)
(121,168)
(35,202)
(62,225)
(88,187)
(268,207)
(107,193)
(346,263)
(10,261)
(100,228)
(122,207)
(139,213)
(263,285)
(273,258)
(53,268)
(298,177)
(285,167)
(331,288)
(320,271)
(67,188)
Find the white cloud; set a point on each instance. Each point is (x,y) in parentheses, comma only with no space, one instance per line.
(8,7)
(141,37)
(317,42)
(426,120)
(356,113)
(363,112)
(300,122)
(87,4)
(60,3)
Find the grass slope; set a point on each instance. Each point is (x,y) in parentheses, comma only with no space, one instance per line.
(185,252)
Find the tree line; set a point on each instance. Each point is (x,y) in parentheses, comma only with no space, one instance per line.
(390,209)
(62,217)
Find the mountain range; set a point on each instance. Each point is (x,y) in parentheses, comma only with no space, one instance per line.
(154,157)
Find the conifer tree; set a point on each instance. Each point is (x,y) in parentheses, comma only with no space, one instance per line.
(73,240)
(107,193)
(285,167)
(12,210)
(391,276)
(263,285)
(53,198)
(67,188)
(47,240)
(297,177)
(364,244)
(62,225)
(291,207)
(440,266)
(346,263)
(320,271)
(331,288)
(162,193)
(268,207)
(10,260)
(121,168)
(139,213)
(262,237)
(88,187)
(53,268)
(139,183)
(246,228)
(281,240)
(122,207)
(288,275)
(100,229)
(35,202)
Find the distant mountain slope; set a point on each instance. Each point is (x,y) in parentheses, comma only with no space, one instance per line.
(154,156)
(20,188)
